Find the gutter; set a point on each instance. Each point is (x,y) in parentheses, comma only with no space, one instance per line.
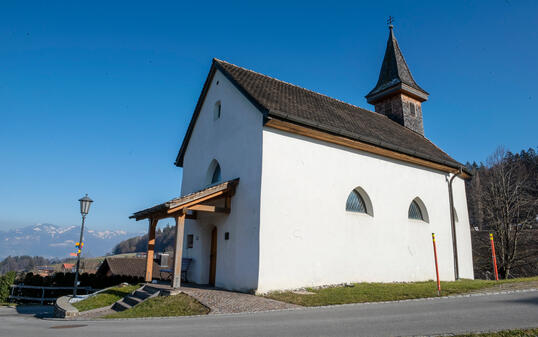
(453,223)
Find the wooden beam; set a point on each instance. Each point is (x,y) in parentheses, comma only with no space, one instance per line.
(209,208)
(158,216)
(358,145)
(151,249)
(195,202)
(178,250)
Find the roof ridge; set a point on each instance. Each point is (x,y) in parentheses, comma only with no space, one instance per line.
(297,86)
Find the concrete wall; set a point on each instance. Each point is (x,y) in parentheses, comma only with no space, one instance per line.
(307,238)
(235,141)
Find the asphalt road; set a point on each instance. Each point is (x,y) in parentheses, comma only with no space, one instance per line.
(410,318)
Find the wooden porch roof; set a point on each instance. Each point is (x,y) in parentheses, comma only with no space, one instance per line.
(167,209)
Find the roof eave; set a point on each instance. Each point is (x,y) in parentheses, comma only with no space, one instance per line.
(282,116)
(374,97)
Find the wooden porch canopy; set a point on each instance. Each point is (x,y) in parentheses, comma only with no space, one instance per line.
(185,207)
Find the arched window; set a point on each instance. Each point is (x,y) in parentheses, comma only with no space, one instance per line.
(414,211)
(358,202)
(417,210)
(217,110)
(216,174)
(213,174)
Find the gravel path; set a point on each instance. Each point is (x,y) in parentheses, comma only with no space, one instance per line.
(222,301)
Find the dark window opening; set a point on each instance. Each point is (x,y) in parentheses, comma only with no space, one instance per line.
(412,109)
(216,174)
(355,203)
(217,110)
(415,212)
(227,236)
(190,241)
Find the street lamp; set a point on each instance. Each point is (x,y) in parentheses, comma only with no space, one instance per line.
(85,203)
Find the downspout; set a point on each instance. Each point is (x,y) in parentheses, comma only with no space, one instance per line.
(453,223)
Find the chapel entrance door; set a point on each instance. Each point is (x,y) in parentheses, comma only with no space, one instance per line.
(213,257)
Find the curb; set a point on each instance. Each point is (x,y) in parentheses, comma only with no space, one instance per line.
(64,309)
(333,306)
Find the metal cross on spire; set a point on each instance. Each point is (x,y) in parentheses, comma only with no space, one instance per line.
(390,21)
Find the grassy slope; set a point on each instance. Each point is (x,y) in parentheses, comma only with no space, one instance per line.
(178,305)
(505,333)
(105,298)
(376,292)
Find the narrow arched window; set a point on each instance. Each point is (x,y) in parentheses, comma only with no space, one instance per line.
(418,211)
(213,173)
(215,178)
(355,202)
(217,110)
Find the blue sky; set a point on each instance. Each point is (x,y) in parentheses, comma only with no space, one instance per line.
(95,97)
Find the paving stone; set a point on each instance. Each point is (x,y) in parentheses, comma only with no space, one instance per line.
(222,301)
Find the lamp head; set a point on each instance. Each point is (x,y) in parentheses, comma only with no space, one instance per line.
(85,203)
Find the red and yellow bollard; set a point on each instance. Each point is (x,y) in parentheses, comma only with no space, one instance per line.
(436,265)
(494,257)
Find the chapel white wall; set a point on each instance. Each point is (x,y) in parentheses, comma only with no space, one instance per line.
(235,141)
(308,239)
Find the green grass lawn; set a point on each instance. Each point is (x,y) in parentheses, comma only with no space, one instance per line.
(376,292)
(505,333)
(177,305)
(105,298)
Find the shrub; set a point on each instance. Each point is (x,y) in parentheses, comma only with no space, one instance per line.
(5,282)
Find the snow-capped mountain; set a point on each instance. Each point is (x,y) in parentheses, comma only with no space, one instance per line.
(54,241)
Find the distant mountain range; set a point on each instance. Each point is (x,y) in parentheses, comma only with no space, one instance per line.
(53,241)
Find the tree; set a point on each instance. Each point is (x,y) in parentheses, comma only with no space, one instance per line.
(165,239)
(508,203)
(5,283)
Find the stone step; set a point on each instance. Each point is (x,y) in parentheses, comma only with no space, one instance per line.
(141,294)
(121,306)
(150,289)
(132,300)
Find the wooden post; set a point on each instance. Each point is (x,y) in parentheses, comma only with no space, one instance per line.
(178,249)
(151,249)
(436,266)
(228,201)
(494,257)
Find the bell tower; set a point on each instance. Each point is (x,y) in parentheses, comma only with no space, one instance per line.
(396,94)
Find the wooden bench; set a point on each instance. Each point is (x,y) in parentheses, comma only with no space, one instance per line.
(185,264)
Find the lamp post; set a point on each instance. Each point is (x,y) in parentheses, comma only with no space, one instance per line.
(85,203)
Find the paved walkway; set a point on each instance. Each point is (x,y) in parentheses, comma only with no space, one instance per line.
(223,302)
(440,316)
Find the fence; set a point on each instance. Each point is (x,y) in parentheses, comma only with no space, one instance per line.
(18,289)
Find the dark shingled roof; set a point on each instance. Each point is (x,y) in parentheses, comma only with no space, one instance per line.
(127,266)
(394,70)
(284,101)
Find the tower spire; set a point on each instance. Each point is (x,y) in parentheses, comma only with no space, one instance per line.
(396,93)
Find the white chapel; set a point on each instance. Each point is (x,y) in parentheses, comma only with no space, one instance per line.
(286,188)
